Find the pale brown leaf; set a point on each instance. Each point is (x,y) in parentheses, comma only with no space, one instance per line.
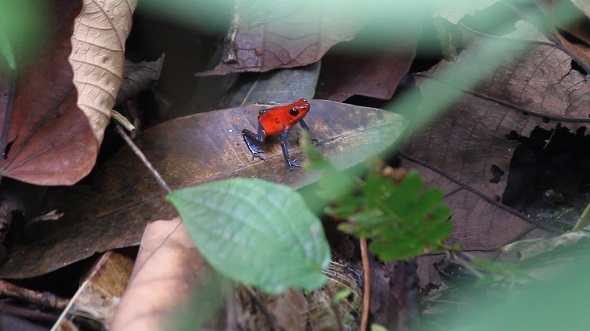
(98,56)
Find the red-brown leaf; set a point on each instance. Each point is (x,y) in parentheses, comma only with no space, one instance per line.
(52,143)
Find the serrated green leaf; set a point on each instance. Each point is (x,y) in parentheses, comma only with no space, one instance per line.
(255,232)
(402,218)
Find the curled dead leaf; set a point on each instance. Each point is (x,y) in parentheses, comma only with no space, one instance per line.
(98,56)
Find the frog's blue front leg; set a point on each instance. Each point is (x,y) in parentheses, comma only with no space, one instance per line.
(253,140)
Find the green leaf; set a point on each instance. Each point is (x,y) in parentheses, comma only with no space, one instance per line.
(255,232)
(342,295)
(377,327)
(6,51)
(402,218)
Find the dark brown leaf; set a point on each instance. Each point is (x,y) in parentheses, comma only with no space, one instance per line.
(49,138)
(189,151)
(374,63)
(480,224)
(345,76)
(138,77)
(286,34)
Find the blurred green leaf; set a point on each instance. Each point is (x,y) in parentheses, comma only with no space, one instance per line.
(498,271)
(342,295)
(6,51)
(377,327)
(558,302)
(255,232)
(20,24)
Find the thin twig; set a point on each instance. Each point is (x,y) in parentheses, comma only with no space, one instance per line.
(367,285)
(142,157)
(45,299)
(28,313)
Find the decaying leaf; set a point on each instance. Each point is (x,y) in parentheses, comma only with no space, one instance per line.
(189,151)
(98,56)
(534,86)
(45,139)
(480,225)
(99,295)
(275,34)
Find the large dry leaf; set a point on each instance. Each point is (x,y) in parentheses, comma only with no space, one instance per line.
(48,137)
(534,85)
(98,56)
(285,34)
(189,151)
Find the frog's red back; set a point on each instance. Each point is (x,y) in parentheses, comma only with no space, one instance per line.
(281,118)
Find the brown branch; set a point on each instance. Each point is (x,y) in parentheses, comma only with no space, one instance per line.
(367,285)
(44,299)
(28,313)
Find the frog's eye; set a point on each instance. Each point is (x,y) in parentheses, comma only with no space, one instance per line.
(294,112)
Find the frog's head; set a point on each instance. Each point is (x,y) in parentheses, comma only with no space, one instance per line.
(299,109)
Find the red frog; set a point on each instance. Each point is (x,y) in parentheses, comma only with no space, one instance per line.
(277,121)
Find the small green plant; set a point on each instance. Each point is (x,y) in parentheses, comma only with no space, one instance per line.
(402,218)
